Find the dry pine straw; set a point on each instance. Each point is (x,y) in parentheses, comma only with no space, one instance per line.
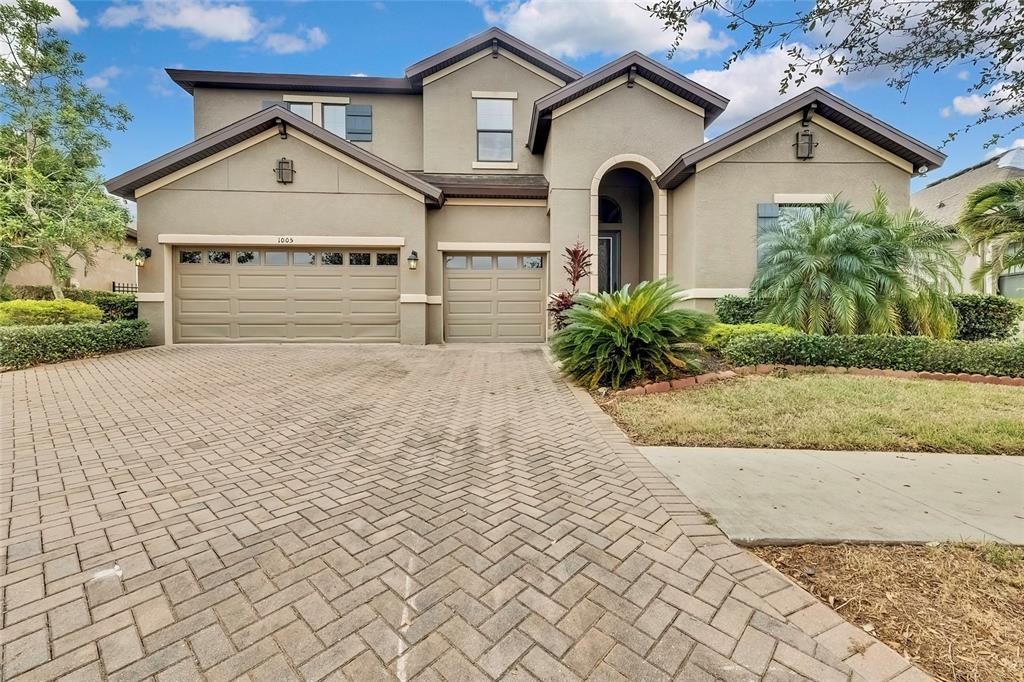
(955,610)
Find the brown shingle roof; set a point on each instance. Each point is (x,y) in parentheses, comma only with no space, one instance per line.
(488,186)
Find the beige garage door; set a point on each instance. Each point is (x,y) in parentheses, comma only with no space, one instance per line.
(494,297)
(269,294)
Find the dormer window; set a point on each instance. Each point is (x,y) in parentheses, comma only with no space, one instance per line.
(494,129)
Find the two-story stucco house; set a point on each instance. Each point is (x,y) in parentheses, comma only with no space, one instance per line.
(435,207)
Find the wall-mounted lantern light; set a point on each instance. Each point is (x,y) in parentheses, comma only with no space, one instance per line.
(285,170)
(414,260)
(141,255)
(805,144)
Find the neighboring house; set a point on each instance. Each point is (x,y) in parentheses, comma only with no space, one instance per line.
(110,268)
(435,207)
(943,200)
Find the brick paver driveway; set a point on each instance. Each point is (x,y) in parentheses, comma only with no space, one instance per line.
(365,513)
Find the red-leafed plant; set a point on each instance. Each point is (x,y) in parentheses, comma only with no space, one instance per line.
(577,268)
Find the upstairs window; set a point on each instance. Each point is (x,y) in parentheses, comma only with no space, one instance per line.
(303,109)
(334,118)
(354,122)
(493,130)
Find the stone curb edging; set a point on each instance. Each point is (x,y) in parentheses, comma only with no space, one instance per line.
(701,379)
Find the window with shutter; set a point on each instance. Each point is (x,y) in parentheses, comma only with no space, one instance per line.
(359,122)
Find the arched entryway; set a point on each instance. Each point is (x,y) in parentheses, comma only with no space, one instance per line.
(628,224)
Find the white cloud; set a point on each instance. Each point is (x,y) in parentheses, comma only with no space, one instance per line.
(752,84)
(69,19)
(306,40)
(975,104)
(215,21)
(1016,144)
(613,27)
(102,79)
(358,75)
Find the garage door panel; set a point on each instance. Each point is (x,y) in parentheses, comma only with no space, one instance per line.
(293,301)
(203,281)
(486,304)
(199,305)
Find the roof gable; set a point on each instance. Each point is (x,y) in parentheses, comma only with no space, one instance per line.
(633,64)
(815,102)
(244,130)
(491,39)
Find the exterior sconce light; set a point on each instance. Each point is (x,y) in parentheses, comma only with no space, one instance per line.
(285,170)
(805,144)
(414,260)
(141,255)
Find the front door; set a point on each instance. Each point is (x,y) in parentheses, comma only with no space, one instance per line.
(608,263)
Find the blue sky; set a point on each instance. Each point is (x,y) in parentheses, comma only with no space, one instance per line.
(129,44)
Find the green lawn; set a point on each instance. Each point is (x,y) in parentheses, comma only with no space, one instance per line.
(831,412)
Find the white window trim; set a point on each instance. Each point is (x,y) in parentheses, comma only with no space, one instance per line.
(484,94)
(802,198)
(318,102)
(495,165)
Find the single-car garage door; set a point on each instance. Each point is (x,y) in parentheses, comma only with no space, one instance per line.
(270,294)
(494,297)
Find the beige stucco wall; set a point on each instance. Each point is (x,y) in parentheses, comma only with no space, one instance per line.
(944,201)
(632,121)
(397,119)
(713,214)
(239,195)
(110,266)
(478,224)
(449,114)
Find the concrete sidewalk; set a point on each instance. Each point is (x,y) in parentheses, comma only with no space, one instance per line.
(794,496)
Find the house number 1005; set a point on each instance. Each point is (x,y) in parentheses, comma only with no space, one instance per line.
(286,240)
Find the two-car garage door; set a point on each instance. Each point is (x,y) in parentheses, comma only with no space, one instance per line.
(273,294)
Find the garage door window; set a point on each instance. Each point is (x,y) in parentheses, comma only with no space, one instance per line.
(508,262)
(533,262)
(358,259)
(387,259)
(331,258)
(304,258)
(275,258)
(455,262)
(219,257)
(482,262)
(247,257)
(190,257)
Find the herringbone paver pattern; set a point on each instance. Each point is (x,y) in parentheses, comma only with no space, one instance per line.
(368,513)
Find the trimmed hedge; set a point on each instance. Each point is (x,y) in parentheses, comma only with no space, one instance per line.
(913,353)
(981,316)
(732,309)
(31,313)
(26,346)
(114,306)
(720,335)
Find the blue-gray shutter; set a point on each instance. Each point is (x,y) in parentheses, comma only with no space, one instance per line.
(767,220)
(359,122)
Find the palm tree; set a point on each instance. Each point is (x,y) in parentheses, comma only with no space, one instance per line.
(992,220)
(839,271)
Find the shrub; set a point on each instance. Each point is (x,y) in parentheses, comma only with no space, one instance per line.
(26,346)
(719,335)
(621,337)
(114,306)
(731,309)
(980,316)
(914,353)
(47,312)
(577,267)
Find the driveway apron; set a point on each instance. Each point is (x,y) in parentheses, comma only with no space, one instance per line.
(273,512)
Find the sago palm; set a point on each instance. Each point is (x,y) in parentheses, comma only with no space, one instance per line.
(840,271)
(623,336)
(992,221)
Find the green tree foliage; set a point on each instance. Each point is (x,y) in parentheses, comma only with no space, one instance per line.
(992,221)
(625,336)
(841,271)
(52,203)
(899,39)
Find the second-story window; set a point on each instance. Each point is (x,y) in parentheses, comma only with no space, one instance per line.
(303,109)
(334,118)
(494,130)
